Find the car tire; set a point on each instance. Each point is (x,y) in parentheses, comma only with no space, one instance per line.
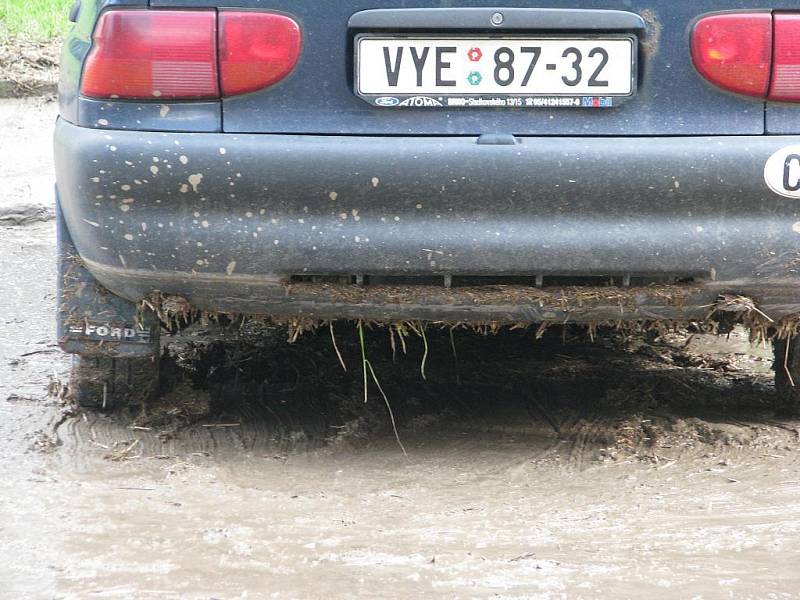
(787,374)
(105,383)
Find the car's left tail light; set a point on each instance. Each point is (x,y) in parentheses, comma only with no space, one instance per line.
(751,53)
(181,55)
(166,55)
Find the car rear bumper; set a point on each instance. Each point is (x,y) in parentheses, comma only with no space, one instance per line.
(228,221)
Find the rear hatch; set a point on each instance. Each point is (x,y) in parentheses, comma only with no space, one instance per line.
(669,98)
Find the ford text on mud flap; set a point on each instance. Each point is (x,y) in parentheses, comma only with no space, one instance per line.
(92,321)
(449,164)
(129,334)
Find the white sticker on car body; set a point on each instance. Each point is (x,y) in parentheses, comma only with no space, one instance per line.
(782,172)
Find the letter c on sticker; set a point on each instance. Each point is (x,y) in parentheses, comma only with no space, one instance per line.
(782,172)
(787,173)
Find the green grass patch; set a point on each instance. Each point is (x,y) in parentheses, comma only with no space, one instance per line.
(35,19)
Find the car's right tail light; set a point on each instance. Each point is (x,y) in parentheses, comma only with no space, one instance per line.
(785,85)
(751,53)
(165,55)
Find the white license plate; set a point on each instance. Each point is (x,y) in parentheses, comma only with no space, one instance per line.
(479,72)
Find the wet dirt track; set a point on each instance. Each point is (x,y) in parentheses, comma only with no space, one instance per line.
(613,469)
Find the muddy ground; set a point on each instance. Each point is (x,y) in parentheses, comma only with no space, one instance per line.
(28,68)
(624,467)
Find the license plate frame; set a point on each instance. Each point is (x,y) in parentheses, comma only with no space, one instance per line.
(498,100)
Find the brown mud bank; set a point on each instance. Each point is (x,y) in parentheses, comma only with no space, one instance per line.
(28,67)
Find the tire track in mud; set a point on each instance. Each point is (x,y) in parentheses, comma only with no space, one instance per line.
(582,441)
(250,430)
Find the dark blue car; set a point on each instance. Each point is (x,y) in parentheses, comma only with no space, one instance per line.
(535,162)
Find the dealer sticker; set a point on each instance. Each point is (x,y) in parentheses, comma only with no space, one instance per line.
(782,172)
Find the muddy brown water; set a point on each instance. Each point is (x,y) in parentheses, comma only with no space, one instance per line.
(623,468)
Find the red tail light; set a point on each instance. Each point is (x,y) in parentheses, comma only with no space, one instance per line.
(139,54)
(256,50)
(785,85)
(756,54)
(173,54)
(734,51)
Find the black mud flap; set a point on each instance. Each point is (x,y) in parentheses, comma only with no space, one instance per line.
(91,320)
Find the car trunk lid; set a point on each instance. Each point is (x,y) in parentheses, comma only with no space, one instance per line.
(319,97)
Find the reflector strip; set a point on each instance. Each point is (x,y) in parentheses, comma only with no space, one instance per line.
(786,62)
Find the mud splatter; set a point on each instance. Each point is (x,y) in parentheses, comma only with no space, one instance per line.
(652,40)
(194,180)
